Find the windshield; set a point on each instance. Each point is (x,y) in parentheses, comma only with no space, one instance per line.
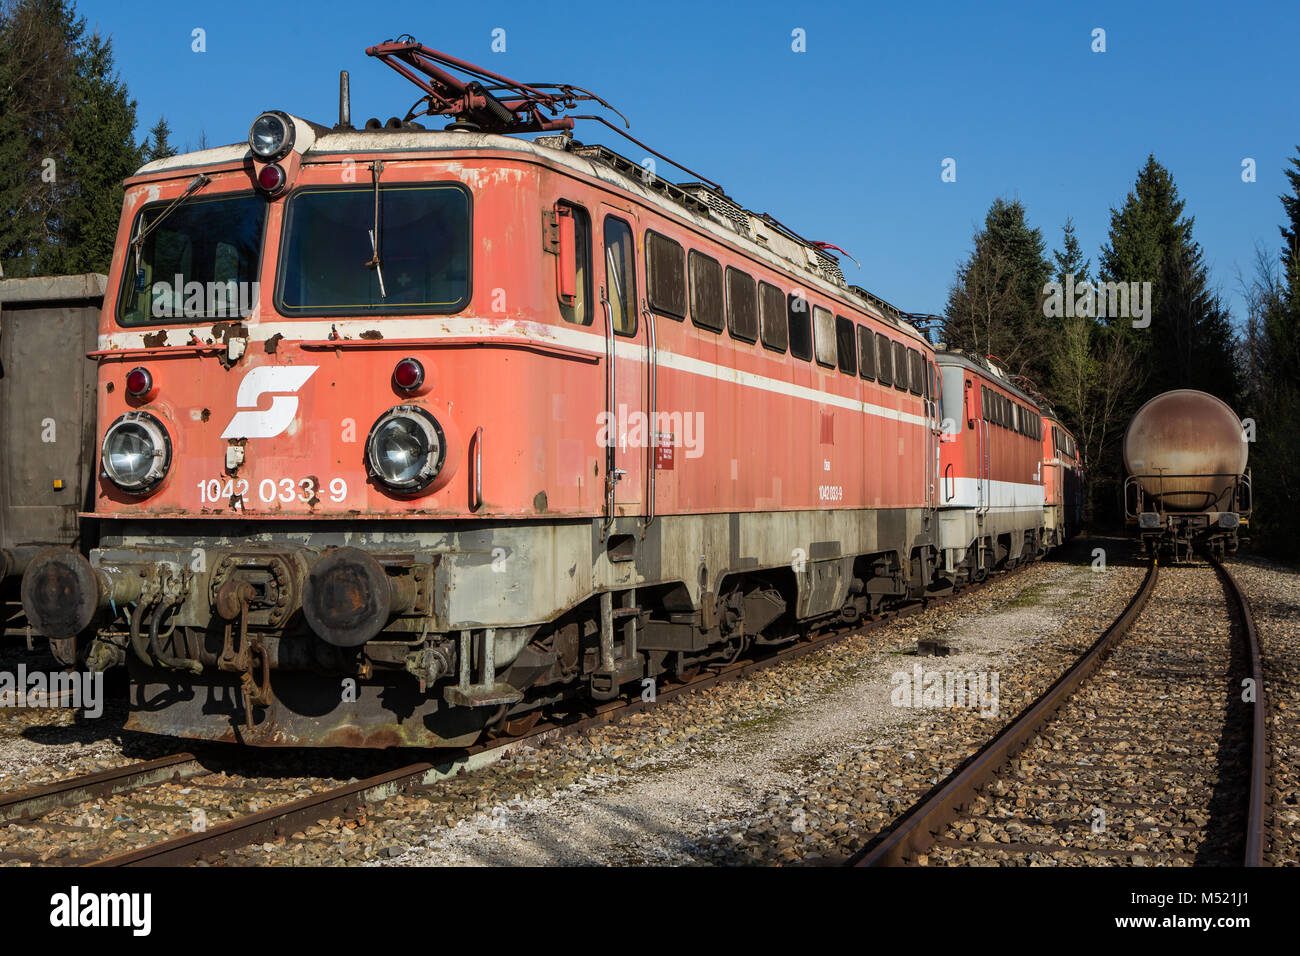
(423,251)
(201,262)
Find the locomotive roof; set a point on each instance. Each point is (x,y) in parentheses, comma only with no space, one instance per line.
(706,208)
(991,371)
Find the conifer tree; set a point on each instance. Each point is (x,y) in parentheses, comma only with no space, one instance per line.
(1189,343)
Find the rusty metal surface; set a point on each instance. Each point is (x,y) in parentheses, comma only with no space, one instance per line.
(917,829)
(267,824)
(1186,433)
(25,804)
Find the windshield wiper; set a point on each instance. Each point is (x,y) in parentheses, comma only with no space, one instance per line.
(195,184)
(376,260)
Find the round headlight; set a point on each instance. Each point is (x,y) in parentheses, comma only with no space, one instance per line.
(406,448)
(136,452)
(271,135)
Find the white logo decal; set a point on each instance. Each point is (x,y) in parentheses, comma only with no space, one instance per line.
(260,381)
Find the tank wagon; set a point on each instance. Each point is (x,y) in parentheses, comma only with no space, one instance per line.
(408,433)
(1188,485)
(47,418)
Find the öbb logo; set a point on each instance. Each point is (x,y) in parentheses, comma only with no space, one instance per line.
(281,382)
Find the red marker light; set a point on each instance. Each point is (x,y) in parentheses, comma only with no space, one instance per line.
(271,178)
(408,375)
(138,382)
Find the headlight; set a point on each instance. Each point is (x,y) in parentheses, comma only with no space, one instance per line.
(271,135)
(406,448)
(136,452)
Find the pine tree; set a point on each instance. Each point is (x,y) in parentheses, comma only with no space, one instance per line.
(66,141)
(1282,325)
(1069,260)
(1291,230)
(37,43)
(157,145)
(102,153)
(995,305)
(1189,343)
(1272,383)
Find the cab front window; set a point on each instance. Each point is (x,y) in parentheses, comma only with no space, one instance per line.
(196,259)
(334,261)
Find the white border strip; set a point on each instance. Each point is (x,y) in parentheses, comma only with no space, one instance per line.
(468,327)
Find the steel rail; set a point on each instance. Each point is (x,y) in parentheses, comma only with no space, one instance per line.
(1257,800)
(918,828)
(38,801)
(269,823)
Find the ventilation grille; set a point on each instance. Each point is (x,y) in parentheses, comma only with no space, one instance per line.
(723,208)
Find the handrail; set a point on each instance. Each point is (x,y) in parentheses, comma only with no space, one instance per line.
(654,404)
(611,397)
(478,469)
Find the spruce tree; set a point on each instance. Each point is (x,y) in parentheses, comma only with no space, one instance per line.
(66,141)
(1273,383)
(995,307)
(1189,343)
(1093,373)
(158,143)
(1069,259)
(38,39)
(102,153)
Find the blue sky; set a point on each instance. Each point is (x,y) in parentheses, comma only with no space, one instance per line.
(843,142)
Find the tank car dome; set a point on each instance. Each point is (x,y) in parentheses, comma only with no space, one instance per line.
(1180,434)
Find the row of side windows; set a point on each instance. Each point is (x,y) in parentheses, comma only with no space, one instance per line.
(1062,442)
(1002,411)
(751,311)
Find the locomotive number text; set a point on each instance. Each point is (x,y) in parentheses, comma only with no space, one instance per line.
(270,490)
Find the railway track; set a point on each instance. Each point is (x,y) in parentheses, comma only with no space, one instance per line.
(1143,752)
(234,809)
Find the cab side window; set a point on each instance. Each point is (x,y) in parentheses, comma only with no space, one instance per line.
(620,275)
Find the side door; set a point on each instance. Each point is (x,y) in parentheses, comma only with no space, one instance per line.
(627,360)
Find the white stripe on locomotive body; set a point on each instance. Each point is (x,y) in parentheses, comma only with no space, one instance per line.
(997,494)
(453,327)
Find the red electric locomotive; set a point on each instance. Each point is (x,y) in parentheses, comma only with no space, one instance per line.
(995,511)
(408,433)
(1062,481)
